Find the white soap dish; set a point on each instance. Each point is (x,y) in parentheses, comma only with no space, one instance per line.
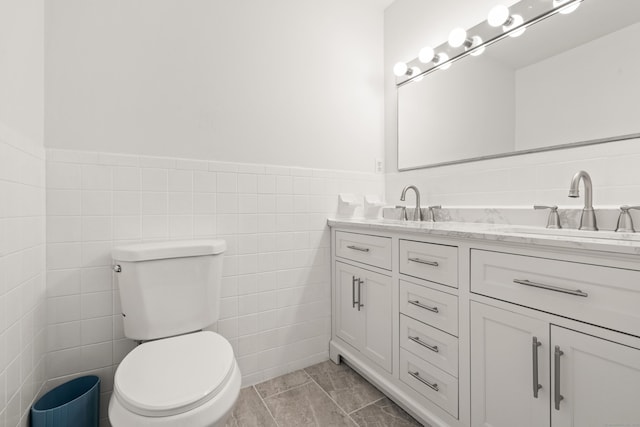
(373,206)
(348,204)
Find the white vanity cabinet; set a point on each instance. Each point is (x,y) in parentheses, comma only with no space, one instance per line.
(472,329)
(530,373)
(428,307)
(589,380)
(595,382)
(508,362)
(586,291)
(363,315)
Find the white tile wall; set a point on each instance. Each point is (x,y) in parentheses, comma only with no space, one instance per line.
(541,178)
(275,307)
(22,278)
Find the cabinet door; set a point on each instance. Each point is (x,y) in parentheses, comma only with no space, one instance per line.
(503,369)
(375,296)
(349,321)
(599,381)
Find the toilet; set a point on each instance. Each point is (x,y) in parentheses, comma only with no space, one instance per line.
(180,375)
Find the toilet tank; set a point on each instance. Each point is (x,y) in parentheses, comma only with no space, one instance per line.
(168,288)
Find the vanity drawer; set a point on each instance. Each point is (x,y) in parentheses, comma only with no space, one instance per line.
(431,382)
(364,248)
(429,306)
(604,296)
(430,344)
(428,261)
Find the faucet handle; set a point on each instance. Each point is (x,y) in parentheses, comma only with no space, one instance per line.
(431,214)
(403,211)
(625,223)
(553,221)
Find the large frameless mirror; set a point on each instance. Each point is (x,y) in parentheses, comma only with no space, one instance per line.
(569,79)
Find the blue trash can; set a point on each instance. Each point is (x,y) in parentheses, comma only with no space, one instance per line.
(75,403)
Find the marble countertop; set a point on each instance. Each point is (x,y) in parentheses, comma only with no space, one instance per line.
(608,241)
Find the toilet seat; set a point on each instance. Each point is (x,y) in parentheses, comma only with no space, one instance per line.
(174,375)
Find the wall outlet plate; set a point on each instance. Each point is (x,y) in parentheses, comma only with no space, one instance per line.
(378,166)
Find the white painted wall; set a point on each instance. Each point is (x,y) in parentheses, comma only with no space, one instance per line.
(22,209)
(22,68)
(520,180)
(285,82)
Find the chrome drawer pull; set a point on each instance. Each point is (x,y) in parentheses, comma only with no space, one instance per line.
(357,248)
(353,291)
(424,261)
(558,397)
(426,307)
(417,376)
(577,292)
(536,384)
(417,340)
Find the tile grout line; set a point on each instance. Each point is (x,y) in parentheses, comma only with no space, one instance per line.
(266,406)
(368,404)
(334,402)
(289,389)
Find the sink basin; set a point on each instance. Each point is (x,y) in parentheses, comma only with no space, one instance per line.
(573,233)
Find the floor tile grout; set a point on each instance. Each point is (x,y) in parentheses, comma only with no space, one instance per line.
(343,410)
(284,391)
(266,406)
(334,402)
(311,380)
(368,404)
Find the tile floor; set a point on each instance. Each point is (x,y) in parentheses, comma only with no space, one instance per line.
(322,395)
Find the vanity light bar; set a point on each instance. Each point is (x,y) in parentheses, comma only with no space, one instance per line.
(514,21)
(500,16)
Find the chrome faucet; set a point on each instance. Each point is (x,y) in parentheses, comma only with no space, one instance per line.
(588,218)
(417,213)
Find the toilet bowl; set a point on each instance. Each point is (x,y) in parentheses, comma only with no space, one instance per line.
(189,380)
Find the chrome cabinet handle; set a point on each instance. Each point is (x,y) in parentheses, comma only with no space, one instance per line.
(357,248)
(353,291)
(417,340)
(360,305)
(416,375)
(558,396)
(426,307)
(534,349)
(577,292)
(424,261)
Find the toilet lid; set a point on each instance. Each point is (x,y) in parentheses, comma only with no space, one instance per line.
(174,375)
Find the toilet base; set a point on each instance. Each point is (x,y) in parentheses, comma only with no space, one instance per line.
(212,413)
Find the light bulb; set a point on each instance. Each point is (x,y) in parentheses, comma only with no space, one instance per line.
(440,58)
(516,20)
(457,37)
(476,42)
(498,15)
(568,9)
(426,55)
(400,69)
